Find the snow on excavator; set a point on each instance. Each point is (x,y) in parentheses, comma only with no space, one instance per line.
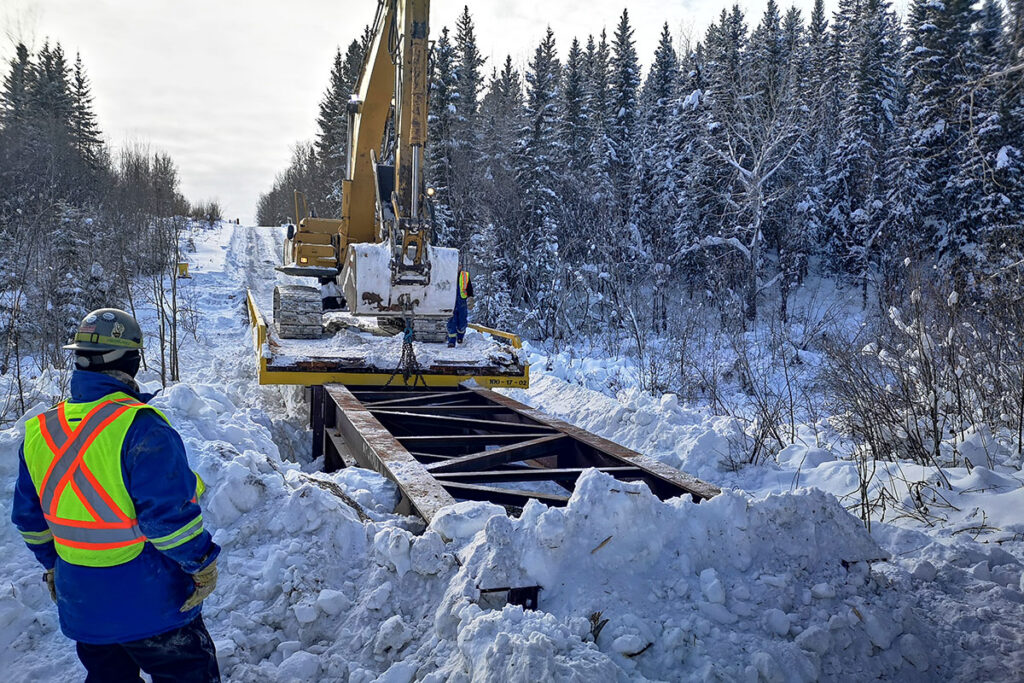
(380,252)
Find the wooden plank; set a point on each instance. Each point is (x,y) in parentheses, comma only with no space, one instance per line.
(499,456)
(375,448)
(698,488)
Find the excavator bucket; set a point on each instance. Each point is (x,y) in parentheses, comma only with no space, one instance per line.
(370,287)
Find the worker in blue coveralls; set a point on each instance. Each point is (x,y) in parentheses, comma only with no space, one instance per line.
(107,503)
(460,316)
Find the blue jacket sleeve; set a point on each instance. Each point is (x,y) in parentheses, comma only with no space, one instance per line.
(163,489)
(27,515)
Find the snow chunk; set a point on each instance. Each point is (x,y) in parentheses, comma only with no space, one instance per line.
(392,547)
(462,521)
(332,602)
(301,666)
(392,636)
(777,621)
(914,651)
(815,639)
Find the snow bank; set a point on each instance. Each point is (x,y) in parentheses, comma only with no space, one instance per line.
(727,589)
(320,581)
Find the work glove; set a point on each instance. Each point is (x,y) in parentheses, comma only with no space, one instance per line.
(470,303)
(205,580)
(50,584)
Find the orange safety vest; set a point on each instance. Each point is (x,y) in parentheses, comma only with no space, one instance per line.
(77,475)
(464,284)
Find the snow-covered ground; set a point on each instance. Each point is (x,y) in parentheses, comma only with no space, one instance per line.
(773,580)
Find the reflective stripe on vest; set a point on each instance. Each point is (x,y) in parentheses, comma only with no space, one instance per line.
(464,284)
(90,514)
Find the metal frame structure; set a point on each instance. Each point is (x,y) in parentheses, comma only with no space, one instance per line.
(469,443)
(318,372)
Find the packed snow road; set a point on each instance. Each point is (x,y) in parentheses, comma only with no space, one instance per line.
(749,586)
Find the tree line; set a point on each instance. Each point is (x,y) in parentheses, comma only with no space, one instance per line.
(80,222)
(584,193)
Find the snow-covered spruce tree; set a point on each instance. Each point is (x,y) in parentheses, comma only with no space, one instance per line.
(708,179)
(624,83)
(822,109)
(15,102)
(85,132)
(798,216)
(855,188)
(656,181)
(440,148)
(465,195)
(536,281)
(332,123)
(495,250)
(777,70)
(942,67)
(573,126)
(687,132)
(603,230)
(989,177)
(597,91)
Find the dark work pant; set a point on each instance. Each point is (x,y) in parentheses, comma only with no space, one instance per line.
(457,323)
(184,655)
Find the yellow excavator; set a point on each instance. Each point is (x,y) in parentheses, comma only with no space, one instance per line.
(379,253)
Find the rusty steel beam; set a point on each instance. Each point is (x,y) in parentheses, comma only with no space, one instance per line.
(406,398)
(516,452)
(500,496)
(433,445)
(699,489)
(460,423)
(373,447)
(443,407)
(532,474)
(468,440)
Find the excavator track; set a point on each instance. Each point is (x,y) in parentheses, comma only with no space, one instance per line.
(433,330)
(298,312)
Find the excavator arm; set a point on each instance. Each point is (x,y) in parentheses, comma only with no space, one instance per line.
(381,253)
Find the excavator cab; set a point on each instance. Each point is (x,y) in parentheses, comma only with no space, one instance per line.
(310,245)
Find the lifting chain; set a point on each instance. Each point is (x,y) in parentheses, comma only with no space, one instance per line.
(408,365)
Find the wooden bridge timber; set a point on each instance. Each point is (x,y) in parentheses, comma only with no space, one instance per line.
(442,445)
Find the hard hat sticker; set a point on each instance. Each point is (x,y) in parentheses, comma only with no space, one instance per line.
(91,319)
(117,331)
(109,316)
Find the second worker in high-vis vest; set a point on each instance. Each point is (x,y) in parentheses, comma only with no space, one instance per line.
(106,501)
(460,316)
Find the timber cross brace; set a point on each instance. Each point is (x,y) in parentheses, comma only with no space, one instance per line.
(468,443)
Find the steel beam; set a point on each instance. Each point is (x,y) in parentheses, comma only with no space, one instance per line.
(447,421)
(373,447)
(658,471)
(450,441)
(532,474)
(516,452)
(510,497)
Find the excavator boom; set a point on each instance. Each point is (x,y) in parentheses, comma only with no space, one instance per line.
(381,250)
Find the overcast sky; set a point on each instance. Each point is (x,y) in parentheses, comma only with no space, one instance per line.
(228,86)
